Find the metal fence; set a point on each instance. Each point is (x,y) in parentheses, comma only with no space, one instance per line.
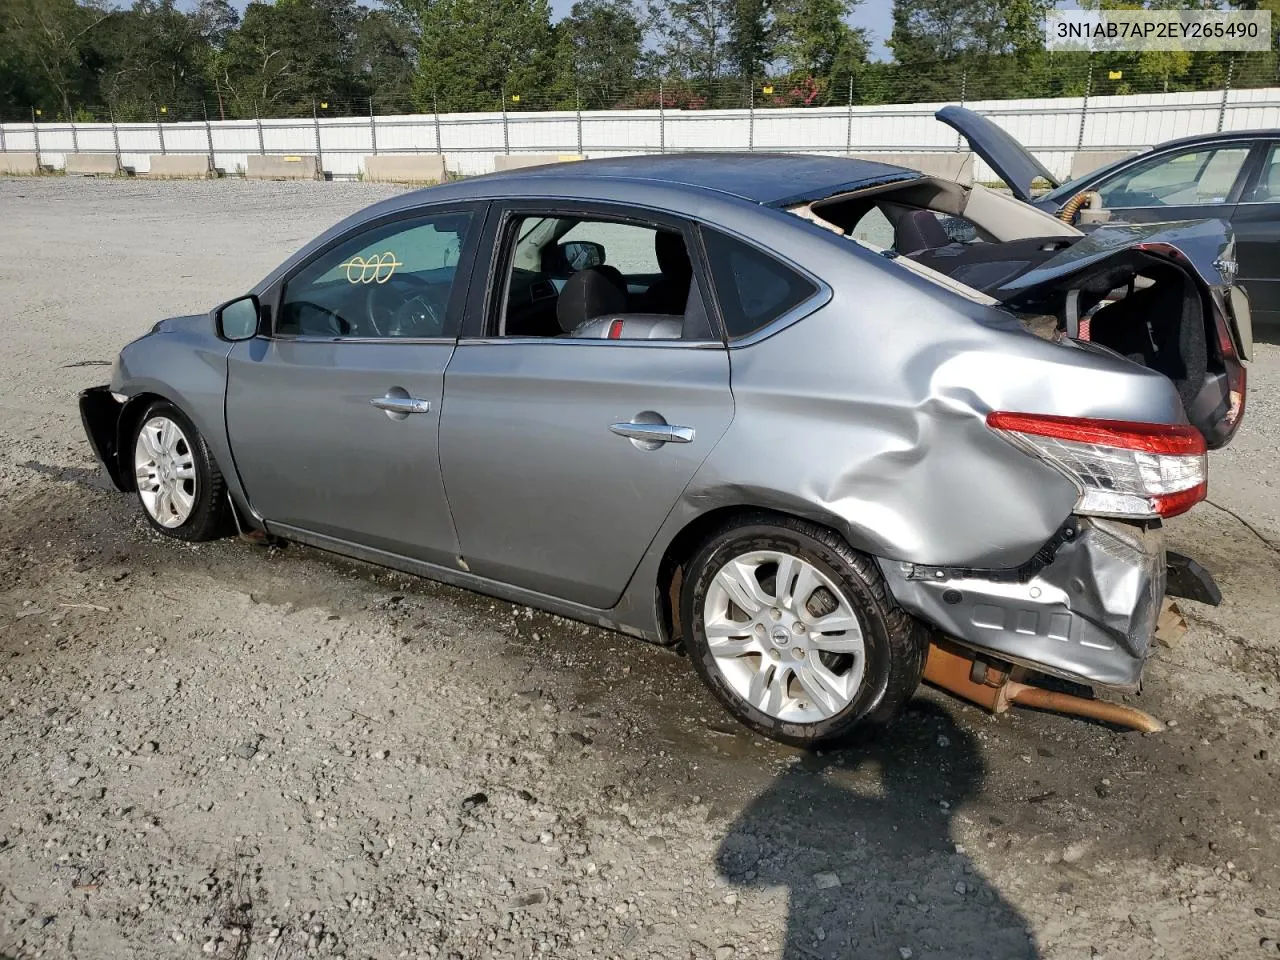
(1054,128)
(1035,74)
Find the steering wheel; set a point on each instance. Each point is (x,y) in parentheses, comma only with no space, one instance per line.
(407,308)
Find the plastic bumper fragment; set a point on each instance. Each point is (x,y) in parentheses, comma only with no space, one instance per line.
(1089,616)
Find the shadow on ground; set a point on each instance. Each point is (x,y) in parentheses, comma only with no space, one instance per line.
(861,838)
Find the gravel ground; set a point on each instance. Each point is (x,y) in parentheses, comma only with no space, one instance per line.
(241,752)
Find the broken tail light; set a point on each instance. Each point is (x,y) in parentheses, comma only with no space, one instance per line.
(1121,468)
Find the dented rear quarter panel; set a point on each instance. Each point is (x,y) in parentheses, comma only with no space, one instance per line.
(869,415)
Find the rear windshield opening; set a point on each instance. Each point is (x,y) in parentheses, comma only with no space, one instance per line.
(1136,304)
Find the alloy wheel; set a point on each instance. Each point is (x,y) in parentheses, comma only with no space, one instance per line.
(165,468)
(784,636)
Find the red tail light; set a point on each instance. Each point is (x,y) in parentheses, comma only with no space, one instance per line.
(1121,468)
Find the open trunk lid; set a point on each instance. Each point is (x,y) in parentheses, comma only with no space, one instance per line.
(1011,161)
(1207,247)
(1161,295)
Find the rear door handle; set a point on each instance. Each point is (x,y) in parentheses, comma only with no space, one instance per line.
(653,432)
(401,405)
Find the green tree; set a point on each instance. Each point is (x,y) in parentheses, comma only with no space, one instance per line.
(752,38)
(600,52)
(287,55)
(386,58)
(153,54)
(216,19)
(49,43)
(471,53)
(815,40)
(942,48)
(691,38)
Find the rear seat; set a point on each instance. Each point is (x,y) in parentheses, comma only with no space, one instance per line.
(631,326)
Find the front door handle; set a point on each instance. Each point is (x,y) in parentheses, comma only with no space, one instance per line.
(400,407)
(653,432)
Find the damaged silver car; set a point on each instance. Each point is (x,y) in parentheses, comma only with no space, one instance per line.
(692,399)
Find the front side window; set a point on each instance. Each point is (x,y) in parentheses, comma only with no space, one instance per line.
(586,277)
(753,288)
(1268,188)
(1198,177)
(392,281)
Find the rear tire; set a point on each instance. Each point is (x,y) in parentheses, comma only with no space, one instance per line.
(807,658)
(179,486)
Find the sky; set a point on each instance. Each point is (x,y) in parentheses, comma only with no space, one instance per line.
(875,16)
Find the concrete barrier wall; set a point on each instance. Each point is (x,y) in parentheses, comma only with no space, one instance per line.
(92,165)
(298,167)
(517,161)
(956,166)
(179,166)
(19,164)
(1087,161)
(1053,129)
(405,168)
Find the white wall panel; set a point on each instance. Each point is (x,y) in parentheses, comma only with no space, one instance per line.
(1049,127)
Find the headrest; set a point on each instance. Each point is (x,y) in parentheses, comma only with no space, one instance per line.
(918,230)
(673,259)
(586,295)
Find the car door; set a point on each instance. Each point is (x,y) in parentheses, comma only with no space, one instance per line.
(334,415)
(1256,222)
(562,455)
(1192,183)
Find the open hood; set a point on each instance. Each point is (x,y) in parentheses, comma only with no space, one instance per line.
(1006,156)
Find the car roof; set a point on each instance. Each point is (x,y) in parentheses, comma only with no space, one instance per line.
(772,179)
(1216,137)
(733,190)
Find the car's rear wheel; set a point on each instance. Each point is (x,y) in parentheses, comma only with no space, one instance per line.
(795,632)
(178,483)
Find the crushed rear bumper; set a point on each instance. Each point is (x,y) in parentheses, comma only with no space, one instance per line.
(1088,614)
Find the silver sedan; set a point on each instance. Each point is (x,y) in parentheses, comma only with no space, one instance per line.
(803,416)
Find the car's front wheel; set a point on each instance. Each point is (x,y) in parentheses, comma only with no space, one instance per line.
(178,483)
(795,632)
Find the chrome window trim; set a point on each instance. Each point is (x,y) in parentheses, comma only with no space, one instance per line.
(817,300)
(804,308)
(289,338)
(596,342)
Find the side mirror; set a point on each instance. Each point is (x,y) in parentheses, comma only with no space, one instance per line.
(582,254)
(237,319)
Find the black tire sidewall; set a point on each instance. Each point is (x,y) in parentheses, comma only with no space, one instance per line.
(205,519)
(866,605)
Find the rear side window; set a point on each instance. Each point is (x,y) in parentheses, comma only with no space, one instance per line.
(753,288)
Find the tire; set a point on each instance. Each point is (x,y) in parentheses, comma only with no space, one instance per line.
(178,484)
(824,682)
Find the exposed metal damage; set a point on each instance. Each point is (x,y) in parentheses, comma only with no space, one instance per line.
(1088,615)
